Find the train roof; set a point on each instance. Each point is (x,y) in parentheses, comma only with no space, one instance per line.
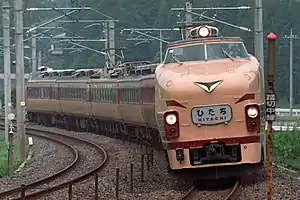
(203,34)
(124,71)
(204,40)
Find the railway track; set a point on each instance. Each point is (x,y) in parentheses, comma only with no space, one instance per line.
(64,178)
(195,194)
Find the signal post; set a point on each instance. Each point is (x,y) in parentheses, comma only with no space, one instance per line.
(270,106)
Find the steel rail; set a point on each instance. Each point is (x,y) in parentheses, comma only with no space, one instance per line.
(234,191)
(65,184)
(192,192)
(48,178)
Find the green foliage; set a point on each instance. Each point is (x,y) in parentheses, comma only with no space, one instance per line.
(286,148)
(4,158)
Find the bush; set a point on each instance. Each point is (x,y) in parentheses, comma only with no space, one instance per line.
(286,148)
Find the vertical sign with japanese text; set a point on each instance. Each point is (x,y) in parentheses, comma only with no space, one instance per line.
(270,107)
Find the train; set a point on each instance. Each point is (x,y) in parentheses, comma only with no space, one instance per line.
(204,105)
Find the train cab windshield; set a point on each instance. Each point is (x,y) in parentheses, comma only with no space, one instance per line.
(206,51)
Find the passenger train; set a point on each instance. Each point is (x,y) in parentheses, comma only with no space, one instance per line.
(204,104)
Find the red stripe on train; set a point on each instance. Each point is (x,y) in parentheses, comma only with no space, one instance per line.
(200,143)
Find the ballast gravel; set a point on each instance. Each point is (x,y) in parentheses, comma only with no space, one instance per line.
(158,183)
(285,185)
(48,158)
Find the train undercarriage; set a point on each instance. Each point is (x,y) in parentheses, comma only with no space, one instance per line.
(119,130)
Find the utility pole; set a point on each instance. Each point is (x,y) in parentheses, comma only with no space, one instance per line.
(111,27)
(7,63)
(20,86)
(40,59)
(106,36)
(160,46)
(33,55)
(258,36)
(291,37)
(188,17)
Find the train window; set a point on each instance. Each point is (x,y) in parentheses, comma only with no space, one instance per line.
(113,94)
(103,94)
(108,94)
(225,50)
(34,92)
(84,93)
(100,94)
(130,95)
(185,53)
(149,94)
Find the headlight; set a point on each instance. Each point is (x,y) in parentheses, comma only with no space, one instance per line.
(252,112)
(203,31)
(171,119)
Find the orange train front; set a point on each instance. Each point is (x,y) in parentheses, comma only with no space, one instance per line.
(209,102)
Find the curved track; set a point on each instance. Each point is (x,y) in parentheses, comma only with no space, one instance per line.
(194,194)
(53,183)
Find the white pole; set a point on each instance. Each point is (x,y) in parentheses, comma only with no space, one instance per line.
(160,46)
(20,85)
(7,63)
(291,72)
(33,53)
(188,17)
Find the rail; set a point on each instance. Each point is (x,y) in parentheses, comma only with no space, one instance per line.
(193,192)
(51,177)
(62,185)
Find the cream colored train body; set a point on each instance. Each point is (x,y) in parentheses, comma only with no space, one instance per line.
(210,104)
(204,104)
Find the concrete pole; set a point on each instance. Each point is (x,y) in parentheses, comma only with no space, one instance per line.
(7,63)
(259,49)
(40,59)
(291,71)
(105,25)
(160,46)
(188,17)
(112,42)
(20,85)
(258,36)
(33,53)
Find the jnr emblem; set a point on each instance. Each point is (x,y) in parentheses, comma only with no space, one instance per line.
(208,86)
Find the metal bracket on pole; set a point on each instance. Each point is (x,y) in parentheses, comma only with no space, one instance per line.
(216,8)
(160,39)
(84,21)
(91,49)
(222,22)
(145,34)
(50,21)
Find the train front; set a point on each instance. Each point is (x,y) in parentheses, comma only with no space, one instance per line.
(209,103)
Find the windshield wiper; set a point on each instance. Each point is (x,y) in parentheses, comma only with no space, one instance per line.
(227,54)
(176,59)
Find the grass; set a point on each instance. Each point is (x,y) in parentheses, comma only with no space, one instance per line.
(288,118)
(286,148)
(4,158)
